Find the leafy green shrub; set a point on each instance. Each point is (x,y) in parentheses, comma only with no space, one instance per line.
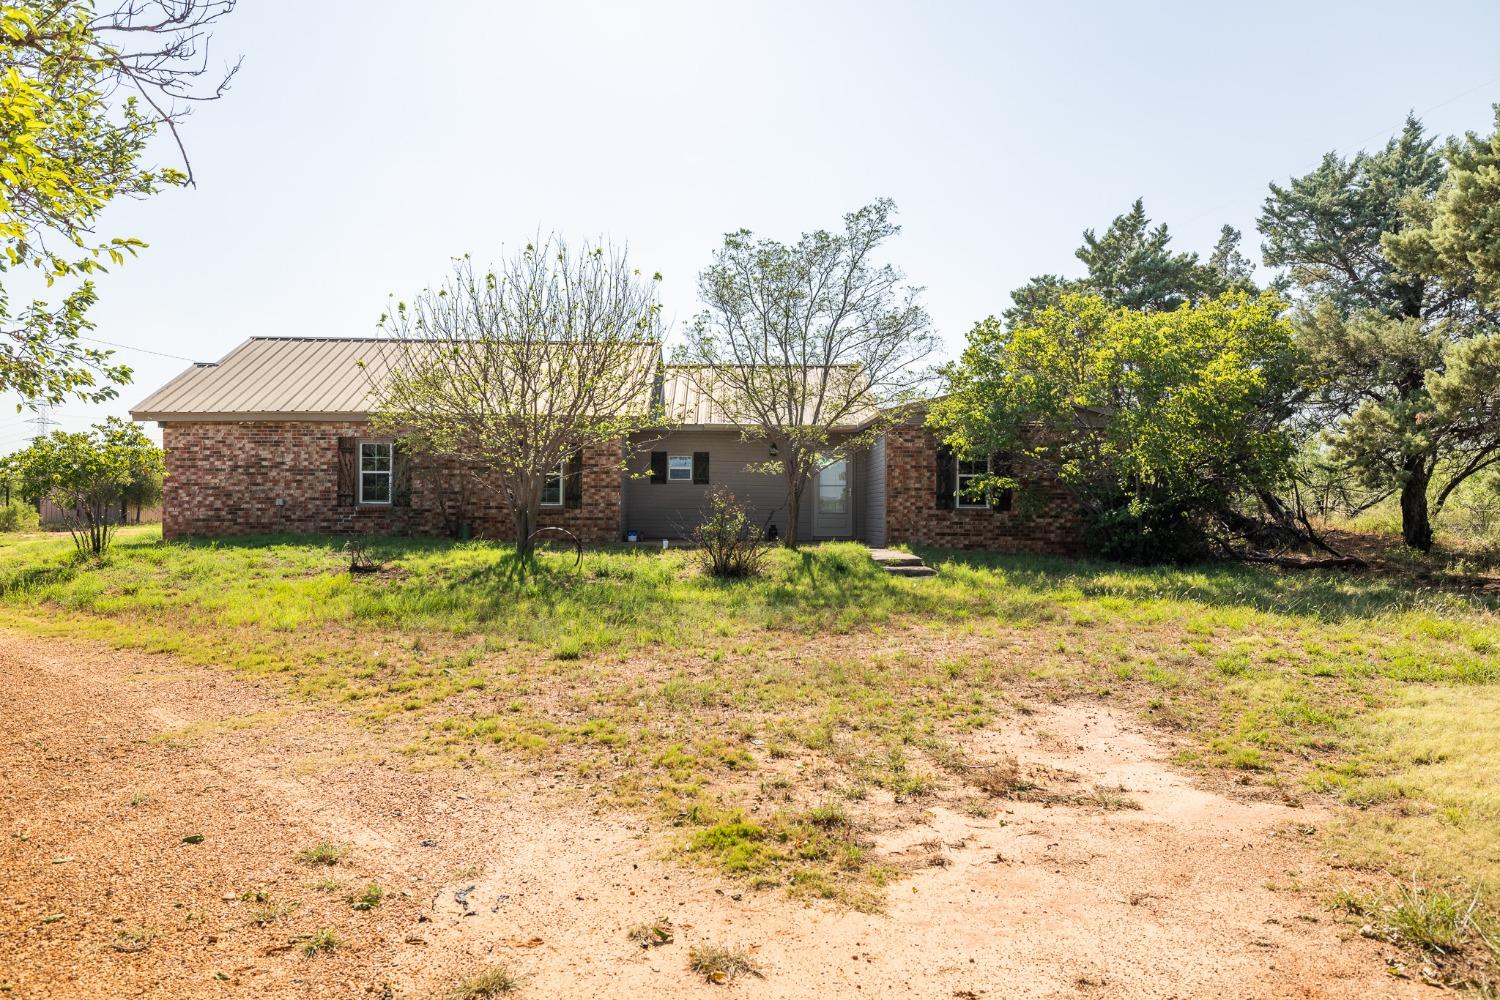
(18,517)
(1163,425)
(88,475)
(729,543)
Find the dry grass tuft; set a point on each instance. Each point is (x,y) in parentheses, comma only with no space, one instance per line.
(133,939)
(652,935)
(270,911)
(1002,780)
(720,964)
(1108,799)
(493,982)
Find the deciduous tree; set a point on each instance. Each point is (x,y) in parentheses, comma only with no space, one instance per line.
(1161,423)
(88,475)
(82,94)
(507,375)
(801,342)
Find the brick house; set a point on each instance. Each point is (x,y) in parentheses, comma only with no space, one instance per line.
(276,438)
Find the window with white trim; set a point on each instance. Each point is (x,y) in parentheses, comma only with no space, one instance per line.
(374,472)
(552,488)
(968,475)
(679,468)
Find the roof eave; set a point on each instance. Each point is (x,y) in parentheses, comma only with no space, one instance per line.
(230,417)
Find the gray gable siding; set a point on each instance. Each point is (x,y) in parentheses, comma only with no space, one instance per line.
(874,493)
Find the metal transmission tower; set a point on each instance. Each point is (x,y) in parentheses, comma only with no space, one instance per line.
(43,421)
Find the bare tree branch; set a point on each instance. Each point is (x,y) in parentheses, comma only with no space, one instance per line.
(809,346)
(507,374)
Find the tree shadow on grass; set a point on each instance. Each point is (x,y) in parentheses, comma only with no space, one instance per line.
(821,581)
(1324,596)
(385,546)
(29,577)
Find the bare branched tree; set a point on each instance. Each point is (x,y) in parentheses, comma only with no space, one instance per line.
(509,374)
(810,346)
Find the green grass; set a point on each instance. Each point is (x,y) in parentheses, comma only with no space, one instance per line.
(705,702)
(1456,938)
(322,941)
(367,899)
(324,852)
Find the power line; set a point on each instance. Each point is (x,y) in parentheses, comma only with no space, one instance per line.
(141,350)
(1425,111)
(1373,135)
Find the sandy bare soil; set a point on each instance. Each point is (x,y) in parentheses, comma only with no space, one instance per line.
(111,759)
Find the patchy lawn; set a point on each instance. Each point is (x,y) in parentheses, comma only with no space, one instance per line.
(777,722)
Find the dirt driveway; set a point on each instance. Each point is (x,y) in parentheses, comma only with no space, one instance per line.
(116,764)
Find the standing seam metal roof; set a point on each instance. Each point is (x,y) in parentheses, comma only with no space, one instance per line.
(272,376)
(312,378)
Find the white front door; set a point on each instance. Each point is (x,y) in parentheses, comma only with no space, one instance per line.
(833,504)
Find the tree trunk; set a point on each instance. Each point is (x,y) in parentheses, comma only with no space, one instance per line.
(793,512)
(524,519)
(1416,524)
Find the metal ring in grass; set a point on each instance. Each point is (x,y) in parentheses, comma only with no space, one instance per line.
(577,545)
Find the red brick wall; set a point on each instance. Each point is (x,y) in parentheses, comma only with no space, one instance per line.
(227,478)
(1045,517)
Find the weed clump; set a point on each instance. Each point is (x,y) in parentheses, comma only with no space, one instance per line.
(720,964)
(324,852)
(653,934)
(323,940)
(368,899)
(493,982)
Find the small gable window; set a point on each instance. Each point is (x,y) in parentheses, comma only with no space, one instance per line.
(375,472)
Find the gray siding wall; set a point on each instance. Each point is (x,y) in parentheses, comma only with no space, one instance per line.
(670,510)
(874,493)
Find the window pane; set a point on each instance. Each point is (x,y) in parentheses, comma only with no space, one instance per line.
(968,494)
(375,487)
(552,488)
(833,491)
(375,456)
(680,467)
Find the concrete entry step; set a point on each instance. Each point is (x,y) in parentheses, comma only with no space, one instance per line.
(901,563)
(918,570)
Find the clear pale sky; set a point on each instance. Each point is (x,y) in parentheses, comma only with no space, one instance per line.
(366,143)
